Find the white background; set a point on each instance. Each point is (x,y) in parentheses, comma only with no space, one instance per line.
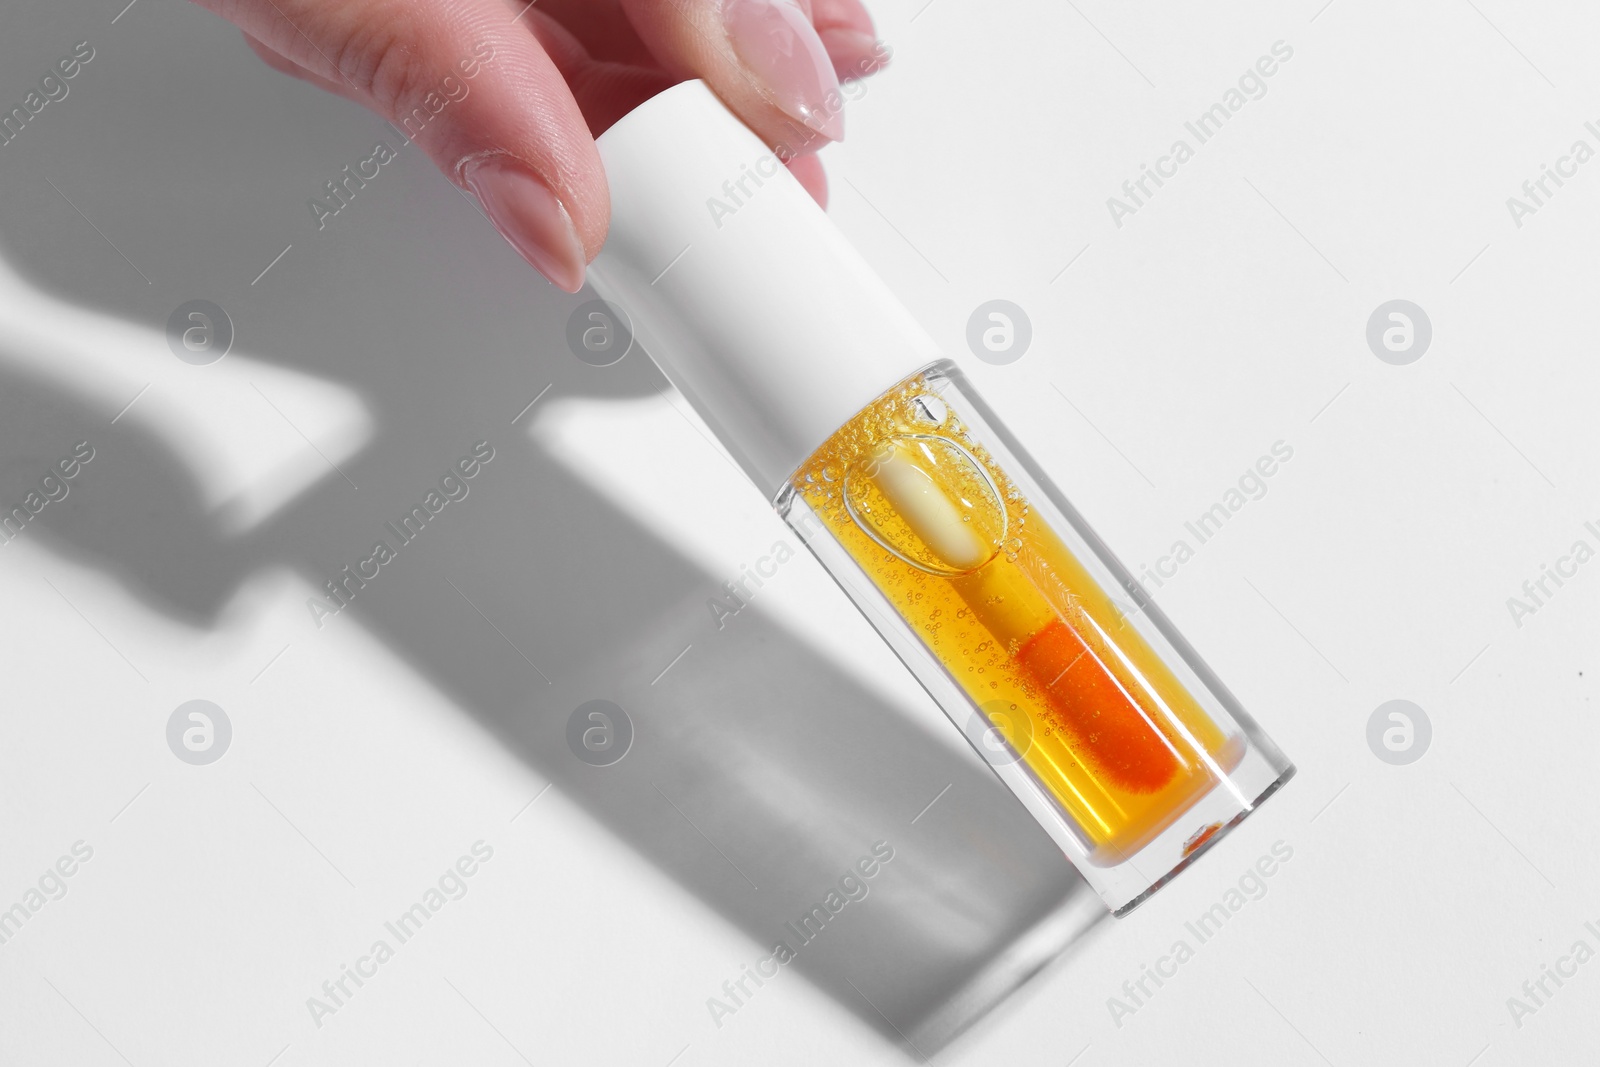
(368,754)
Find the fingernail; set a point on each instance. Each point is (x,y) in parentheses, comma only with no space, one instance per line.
(854,54)
(530,217)
(777,43)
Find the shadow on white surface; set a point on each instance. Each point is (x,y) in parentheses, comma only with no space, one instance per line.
(382,352)
(760,744)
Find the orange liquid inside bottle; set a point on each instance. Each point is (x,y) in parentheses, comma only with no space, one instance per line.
(1048,658)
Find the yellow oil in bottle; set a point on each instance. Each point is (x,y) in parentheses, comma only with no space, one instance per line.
(1038,646)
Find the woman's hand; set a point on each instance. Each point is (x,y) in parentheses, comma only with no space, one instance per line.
(506,97)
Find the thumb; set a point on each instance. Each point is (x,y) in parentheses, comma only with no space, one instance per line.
(764,58)
(474,86)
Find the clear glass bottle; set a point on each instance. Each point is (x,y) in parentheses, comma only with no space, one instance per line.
(1010,611)
(996,594)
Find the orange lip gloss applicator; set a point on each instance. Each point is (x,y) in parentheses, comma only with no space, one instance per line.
(981,576)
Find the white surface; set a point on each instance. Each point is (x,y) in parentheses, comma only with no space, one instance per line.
(370,753)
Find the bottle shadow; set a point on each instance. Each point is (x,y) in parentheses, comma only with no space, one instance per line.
(760,771)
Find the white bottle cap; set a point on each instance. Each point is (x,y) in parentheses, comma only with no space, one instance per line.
(740,288)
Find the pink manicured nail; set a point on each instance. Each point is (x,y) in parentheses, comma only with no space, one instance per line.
(855,54)
(777,43)
(530,217)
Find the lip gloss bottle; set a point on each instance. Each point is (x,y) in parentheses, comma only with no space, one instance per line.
(938,524)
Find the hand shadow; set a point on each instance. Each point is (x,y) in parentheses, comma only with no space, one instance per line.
(759,772)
